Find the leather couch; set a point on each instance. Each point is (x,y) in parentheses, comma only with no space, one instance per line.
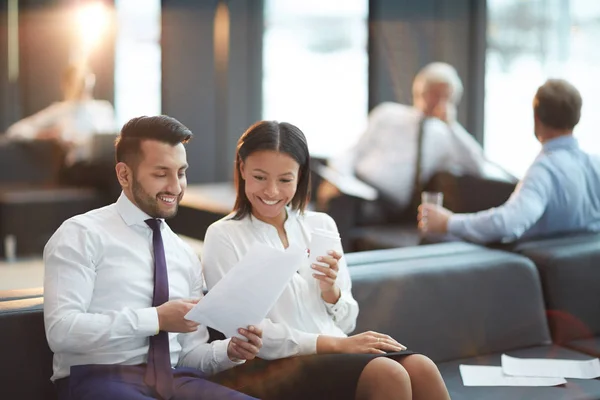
(569,269)
(463,304)
(25,359)
(33,199)
(457,303)
(367,221)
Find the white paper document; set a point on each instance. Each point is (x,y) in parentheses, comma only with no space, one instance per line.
(479,375)
(587,369)
(249,290)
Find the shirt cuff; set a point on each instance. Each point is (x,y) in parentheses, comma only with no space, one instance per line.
(456,224)
(147,321)
(307,344)
(220,356)
(339,307)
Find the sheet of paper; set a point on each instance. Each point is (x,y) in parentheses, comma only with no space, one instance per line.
(587,369)
(479,375)
(249,290)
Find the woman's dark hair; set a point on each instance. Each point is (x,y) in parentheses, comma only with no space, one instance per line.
(161,128)
(557,104)
(276,136)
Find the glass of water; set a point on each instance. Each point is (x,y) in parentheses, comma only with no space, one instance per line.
(435,198)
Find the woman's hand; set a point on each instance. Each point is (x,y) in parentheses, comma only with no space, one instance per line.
(239,349)
(330,292)
(363,343)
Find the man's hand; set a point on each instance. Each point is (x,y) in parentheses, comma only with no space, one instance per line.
(52,133)
(433,219)
(239,349)
(171,316)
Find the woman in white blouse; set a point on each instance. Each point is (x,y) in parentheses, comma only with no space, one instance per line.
(305,334)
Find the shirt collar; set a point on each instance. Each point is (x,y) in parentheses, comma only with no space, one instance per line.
(561,142)
(291,216)
(131,213)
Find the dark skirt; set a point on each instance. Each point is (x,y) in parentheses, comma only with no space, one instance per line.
(320,376)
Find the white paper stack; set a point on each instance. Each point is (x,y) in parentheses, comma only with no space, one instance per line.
(586,369)
(529,372)
(479,375)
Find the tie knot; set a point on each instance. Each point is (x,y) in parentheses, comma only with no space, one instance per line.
(153,223)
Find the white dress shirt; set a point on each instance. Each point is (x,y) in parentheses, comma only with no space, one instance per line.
(98,289)
(77,121)
(386,154)
(300,315)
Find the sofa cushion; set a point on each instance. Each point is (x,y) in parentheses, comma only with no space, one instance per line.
(569,268)
(390,236)
(454,306)
(26,358)
(587,346)
(437,250)
(580,389)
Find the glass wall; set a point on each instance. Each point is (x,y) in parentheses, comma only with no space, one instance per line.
(315,69)
(138,59)
(528,42)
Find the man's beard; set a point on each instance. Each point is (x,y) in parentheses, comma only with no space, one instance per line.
(149,204)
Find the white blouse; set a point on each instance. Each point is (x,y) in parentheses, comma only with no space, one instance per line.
(300,315)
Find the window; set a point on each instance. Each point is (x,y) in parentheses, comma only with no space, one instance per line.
(138,59)
(316,69)
(530,41)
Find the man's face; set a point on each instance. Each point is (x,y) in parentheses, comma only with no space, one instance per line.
(159,179)
(435,100)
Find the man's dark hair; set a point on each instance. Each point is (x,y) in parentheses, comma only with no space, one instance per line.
(557,104)
(276,136)
(161,128)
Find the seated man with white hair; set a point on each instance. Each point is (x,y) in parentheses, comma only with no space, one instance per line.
(386,155)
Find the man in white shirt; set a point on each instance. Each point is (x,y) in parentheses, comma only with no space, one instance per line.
(73,121)
(386,154)
(118,283)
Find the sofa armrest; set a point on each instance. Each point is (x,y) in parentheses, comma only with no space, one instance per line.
(19,294)
(348,185)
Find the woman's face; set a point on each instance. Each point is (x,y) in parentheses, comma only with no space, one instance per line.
(271,179)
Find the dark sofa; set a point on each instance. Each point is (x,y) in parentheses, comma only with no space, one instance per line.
(455,302)
(570,274)
(462,304)
(33,199)
(25,359)
(367,221)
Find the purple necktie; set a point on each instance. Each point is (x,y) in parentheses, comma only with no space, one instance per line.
(158,371)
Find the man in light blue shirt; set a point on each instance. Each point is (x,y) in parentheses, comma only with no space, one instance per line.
(560,192)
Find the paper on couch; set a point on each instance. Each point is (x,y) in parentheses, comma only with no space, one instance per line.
(483,375)
(586,369)
(249,290)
